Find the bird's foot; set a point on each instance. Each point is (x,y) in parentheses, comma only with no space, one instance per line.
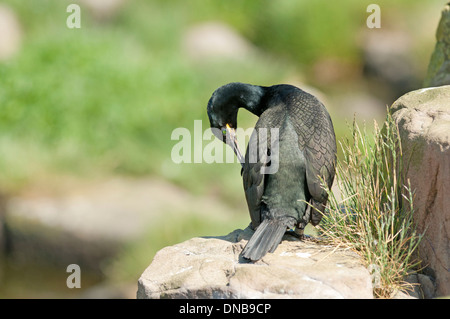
(297,233)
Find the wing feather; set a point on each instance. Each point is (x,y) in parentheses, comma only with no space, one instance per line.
(256,157)
(317,139)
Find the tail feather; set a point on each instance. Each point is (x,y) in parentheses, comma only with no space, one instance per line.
(265,239)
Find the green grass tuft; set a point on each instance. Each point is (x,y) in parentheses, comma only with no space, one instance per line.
(374,215)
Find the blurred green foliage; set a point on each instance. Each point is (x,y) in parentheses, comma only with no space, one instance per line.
(305,31)
(172,229)
(106,97)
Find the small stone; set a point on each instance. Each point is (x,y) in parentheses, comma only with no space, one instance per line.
(10,33)
(427,286)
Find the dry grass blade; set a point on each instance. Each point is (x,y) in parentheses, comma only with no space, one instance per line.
(375,217)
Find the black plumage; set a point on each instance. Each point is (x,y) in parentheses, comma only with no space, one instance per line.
(291,149)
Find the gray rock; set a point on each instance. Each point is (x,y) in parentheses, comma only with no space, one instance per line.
(215,40)
(105,9)
(212,268)
(439,67)
(423,118)
(402,295)
(89,222)
(427,286)
(421,287)
(10,33)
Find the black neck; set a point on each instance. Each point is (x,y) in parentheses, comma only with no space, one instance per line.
(252,98)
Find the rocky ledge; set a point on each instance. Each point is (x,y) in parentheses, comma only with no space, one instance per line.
(211,267)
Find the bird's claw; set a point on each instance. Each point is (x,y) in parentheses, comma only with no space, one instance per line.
(297,233)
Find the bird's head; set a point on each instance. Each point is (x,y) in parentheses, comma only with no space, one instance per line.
(222,127)
(222,113)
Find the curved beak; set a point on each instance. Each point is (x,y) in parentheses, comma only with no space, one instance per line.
(231,140)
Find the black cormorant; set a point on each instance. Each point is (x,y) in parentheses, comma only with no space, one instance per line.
(282,178)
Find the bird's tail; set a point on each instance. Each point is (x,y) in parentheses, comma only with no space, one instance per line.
(266,238)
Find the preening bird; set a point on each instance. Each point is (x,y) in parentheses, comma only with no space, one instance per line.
(291,149)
